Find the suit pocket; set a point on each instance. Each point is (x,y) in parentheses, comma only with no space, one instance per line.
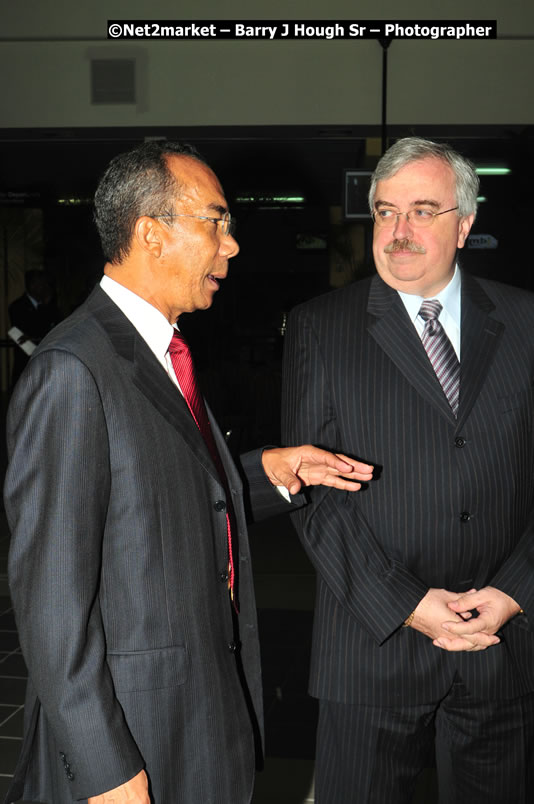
(520,399)
(148,669)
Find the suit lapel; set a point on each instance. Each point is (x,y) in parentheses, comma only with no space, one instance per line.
(391,328)
(233,477)
(151,379)
(481,336)
(149,376)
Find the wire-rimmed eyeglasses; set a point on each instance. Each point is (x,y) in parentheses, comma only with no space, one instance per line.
(417,217)
(226,222)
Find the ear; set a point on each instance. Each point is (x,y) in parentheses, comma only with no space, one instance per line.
(464,228)
(148,235)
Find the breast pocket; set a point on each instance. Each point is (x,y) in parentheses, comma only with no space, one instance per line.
(149,669)
(523,398)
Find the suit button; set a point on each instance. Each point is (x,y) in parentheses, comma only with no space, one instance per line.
(223,575)
(465,516)
(459,442)
(220,505)
(70,776)
(232,647)
(62,755)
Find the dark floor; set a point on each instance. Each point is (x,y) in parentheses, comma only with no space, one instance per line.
(285,595)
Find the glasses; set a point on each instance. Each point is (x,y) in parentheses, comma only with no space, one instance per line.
(226,222)
(418,217)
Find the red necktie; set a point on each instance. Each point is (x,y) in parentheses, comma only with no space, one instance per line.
(183,366)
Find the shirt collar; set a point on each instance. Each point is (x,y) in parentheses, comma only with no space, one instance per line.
(151,325)
(450,298)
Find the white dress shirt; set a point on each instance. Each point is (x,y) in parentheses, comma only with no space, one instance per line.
(152,325)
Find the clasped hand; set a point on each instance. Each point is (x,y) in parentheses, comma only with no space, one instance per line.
(447,618)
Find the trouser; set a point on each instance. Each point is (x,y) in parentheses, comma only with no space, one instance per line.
(484,751)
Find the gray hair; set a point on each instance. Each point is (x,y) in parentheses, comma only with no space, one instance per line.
(414,149)
(136,183)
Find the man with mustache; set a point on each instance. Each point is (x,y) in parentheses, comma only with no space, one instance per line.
(425,597)
(129,562)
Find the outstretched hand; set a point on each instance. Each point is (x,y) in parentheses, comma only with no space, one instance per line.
(294,467)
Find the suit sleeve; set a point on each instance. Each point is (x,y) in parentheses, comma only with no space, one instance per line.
(263,500)
(57,490)
(377,591)
(516,576)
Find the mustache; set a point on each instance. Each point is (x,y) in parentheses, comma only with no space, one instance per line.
(404,245)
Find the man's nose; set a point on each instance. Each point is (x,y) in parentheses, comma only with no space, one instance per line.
(403,227)
(229,246)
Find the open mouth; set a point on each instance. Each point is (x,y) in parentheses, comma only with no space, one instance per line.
(216,280)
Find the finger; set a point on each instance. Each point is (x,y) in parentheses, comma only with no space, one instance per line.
(343,466)
(466,615)
(472,591)
(293,486)
(460,596)
(467,627)
(288,479)
(341,483)
(481,642)
(324,478)
(457,645)
(452,644)
(365,470)
(316,474)
(476,642)
(467,602)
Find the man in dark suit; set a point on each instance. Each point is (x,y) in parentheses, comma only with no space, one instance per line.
(425,581)
(34,313)
(129,563)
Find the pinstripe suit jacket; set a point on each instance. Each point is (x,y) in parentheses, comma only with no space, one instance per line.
(118,576)
(454,501)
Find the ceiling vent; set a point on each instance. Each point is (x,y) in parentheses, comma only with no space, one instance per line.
(113,81)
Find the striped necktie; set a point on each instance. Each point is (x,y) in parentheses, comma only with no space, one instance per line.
(441,352)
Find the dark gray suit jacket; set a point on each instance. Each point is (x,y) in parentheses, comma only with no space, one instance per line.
(453,506)
(118,576)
